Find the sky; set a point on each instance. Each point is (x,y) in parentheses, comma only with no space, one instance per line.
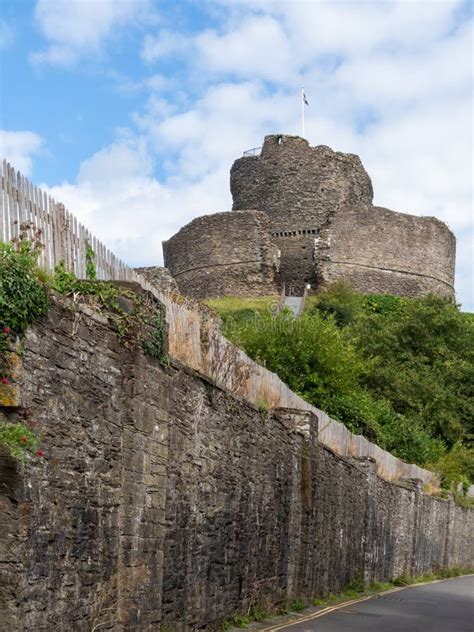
(131,112)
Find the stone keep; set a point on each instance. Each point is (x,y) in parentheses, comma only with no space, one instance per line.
(312,221)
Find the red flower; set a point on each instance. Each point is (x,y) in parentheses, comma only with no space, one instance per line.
(4,380)
(7,330)
(39,453)
(23,439)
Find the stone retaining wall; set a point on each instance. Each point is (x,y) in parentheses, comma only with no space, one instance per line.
(195,339)
(164,500)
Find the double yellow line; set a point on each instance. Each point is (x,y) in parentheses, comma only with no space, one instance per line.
(328,609)
(315,615)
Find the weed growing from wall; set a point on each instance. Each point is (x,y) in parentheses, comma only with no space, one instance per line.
(355,590)
(155,345)
(103,295)
(20,441)
(126,310)
(23,299)
(91,272)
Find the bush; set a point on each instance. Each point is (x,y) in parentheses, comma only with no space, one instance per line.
(313,357)
(340,302)
(456,467)
(308,353)
(421,359)
(399,370)
(23,298)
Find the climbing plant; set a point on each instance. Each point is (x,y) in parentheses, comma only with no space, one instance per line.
(23,299)
(91,272)
(155,345)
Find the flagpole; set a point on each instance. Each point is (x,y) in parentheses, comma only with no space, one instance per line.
(302,112)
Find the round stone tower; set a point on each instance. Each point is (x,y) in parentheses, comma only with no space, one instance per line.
(300,188)
(312,221)
(225,254)
(324,223)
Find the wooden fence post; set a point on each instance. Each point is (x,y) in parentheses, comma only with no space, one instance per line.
(60,233)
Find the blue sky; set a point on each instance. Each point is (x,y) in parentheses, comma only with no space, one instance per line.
(132,111)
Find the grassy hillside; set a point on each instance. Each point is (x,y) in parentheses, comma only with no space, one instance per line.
(400,371)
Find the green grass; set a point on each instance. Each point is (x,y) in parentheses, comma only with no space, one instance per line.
(230,305)
(297,605)
(377,587)
(355,590)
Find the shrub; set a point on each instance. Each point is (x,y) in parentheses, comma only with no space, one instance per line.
(339,301)
(399,370)
(23,298)
(421,359)
(311,355)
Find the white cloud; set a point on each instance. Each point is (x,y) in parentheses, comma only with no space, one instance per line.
(358,28)
(257,48)
(155,83)
(163,45)
(7,34)
(389,81)
(416,166)
(119,200)
(19,148)
(75,28)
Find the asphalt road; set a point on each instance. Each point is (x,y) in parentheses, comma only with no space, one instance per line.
(446,606)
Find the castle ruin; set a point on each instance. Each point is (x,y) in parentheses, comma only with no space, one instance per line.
(302,215)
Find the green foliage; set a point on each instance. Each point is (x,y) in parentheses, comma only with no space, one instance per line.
(398,370)
(406,438)
(91,272)
(241,620)
(357,589)
(20,441)
(357,585)
(455,467)
(63,281)
(109,297)
(230,305)
(340,302)
(308,353)
(421,359)
(23,298)
(312,356)
(259,614)
(297,605)
(156,344)
(383,304)
(104,294)
(403,580)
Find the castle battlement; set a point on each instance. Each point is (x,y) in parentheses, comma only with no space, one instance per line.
(312,221)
